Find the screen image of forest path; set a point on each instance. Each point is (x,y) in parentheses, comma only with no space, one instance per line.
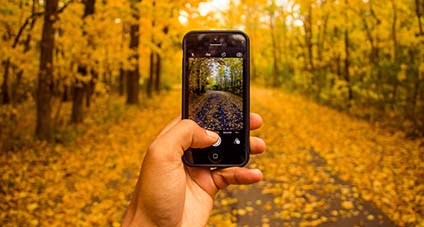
(86,86)
(218,110)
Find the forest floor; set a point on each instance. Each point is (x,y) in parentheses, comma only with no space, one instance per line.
(218,108)
(321,168)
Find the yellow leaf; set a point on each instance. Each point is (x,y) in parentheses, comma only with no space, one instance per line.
(241,212)
(34,222)
(32,206)
(347,205)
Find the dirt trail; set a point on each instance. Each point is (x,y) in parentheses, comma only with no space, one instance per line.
(218,109)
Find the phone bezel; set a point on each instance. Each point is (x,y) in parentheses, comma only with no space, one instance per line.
(246,92)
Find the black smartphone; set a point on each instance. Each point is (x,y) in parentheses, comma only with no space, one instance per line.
(216,95)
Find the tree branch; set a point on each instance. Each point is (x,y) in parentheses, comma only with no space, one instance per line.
(34,16)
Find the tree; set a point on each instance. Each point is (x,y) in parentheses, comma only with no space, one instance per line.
(82,88)
(45,74)
(133,75)
(347,60)
(274,48)
(10,94)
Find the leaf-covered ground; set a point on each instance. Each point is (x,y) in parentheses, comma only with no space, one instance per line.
(216,109)
(322,168)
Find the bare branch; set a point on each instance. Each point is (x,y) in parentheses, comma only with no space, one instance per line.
(33,17)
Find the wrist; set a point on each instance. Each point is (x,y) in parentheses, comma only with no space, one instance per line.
(135,216)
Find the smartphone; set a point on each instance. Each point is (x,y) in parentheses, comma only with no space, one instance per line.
(216,95)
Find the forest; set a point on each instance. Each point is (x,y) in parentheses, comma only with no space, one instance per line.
(224,74)
(340,84)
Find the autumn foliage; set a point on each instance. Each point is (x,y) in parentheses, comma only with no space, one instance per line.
(85,85)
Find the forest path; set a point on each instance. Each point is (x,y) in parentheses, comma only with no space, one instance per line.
(219,108)
(325,168)
(321,168)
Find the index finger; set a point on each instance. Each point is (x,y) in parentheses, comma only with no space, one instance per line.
(255,121)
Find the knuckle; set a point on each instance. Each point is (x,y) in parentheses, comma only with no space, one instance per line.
(153,147)
(188,123)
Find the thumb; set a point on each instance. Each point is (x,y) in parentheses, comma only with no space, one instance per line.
(183,135)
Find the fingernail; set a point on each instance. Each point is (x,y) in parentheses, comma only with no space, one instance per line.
(212,134)
(256,171)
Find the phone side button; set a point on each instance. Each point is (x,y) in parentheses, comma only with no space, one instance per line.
(215,156)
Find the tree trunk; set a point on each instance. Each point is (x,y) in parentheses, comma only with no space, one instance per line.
(78,93)
(122,71)
(347,58)
(396,59)
(413,96)
(6,97)
(15,87)
(158,64)
(133,75)
(346,67)
(132,86)
(45,75)
(275,70)
(321,37)
(152,62)
(419,12)
(65,95)
(151,74)
(157,73)
(80,88)
(122,78)
(338,66)
(307,25)
(90,87)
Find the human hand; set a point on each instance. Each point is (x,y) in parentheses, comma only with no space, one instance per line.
(168,193)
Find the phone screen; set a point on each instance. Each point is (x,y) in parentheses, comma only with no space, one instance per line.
(216,95)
